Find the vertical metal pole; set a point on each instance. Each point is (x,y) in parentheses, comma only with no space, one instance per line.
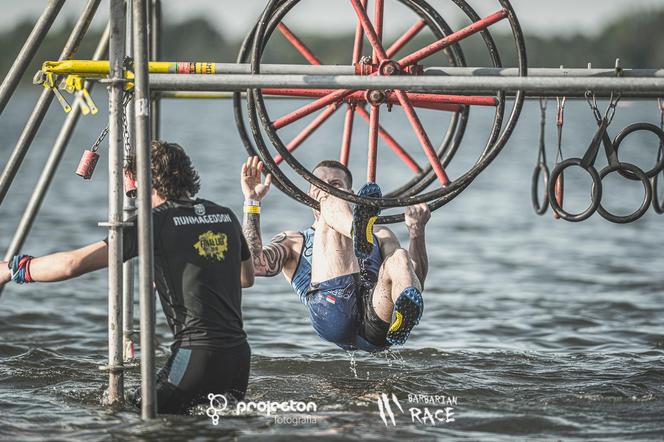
(35,120)
(115,159)
(28,51)
(129,208)
(52,163)
(155,55)
(144,182)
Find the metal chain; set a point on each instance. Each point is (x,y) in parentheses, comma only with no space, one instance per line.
(100,138)
(125,127)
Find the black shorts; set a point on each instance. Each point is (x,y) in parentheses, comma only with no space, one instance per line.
(372,329)
(190,374)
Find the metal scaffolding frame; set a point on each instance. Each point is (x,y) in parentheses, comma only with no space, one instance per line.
(135,29)
(540,86)
(29,50)
(115,223)
(45,99)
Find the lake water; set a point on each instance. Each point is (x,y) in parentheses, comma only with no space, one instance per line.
(536,328)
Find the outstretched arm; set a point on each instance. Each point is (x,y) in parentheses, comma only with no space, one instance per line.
(63,265)
(268,260)
(416,218)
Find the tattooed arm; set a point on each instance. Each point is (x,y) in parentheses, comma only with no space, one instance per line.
(271,259)
(268,260)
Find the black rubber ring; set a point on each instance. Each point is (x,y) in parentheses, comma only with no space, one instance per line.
(540,209)
(596,192)
(630,130)
(634,171)
(656,201)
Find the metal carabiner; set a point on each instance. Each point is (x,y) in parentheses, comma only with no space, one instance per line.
(629,170)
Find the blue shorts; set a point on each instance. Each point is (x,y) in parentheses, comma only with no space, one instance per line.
(341,312)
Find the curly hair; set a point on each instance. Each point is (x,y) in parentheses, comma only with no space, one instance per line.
(173,176)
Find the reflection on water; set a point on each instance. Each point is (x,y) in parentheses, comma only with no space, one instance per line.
(539,328)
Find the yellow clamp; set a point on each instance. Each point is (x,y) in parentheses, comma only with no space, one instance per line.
(129,85)
(47,80)
(73,84)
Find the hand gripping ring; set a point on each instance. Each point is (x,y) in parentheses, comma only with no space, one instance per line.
(596,195)
(635,128)
(634,171)
(540,209)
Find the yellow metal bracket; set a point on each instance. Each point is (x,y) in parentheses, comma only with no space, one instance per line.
(77,71)
(47,79)
(74,84)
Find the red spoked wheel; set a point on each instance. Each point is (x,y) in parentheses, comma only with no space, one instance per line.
(371,105)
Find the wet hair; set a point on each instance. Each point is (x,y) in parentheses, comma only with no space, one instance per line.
(173,176)
(333,164)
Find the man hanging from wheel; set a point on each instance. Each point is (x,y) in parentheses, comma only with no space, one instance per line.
(201,263)
(362,290)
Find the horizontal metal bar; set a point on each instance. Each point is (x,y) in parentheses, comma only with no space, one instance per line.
(195,95)
(637,87)
(97,68)
(543,72)
(92,68)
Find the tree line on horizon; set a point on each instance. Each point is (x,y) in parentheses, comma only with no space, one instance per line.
(637,39)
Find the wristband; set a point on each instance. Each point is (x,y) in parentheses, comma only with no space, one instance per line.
(252,209)
(252,203)
(19,268)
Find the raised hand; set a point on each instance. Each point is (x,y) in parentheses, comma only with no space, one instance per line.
(252,186)
(416,217)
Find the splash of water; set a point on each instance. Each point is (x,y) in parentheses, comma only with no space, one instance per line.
(353,363)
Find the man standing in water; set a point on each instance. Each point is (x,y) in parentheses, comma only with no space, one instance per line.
(363,291)
(201,263)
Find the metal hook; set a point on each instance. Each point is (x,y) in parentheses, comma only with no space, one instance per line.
(592,102)
(611,110)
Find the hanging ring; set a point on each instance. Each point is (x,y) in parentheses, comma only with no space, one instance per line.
(596,192)
(540,169)
(635,128)
(647,198)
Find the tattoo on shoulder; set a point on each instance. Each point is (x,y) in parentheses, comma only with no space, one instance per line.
(280,238)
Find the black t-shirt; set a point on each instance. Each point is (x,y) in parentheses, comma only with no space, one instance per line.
(198,249)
